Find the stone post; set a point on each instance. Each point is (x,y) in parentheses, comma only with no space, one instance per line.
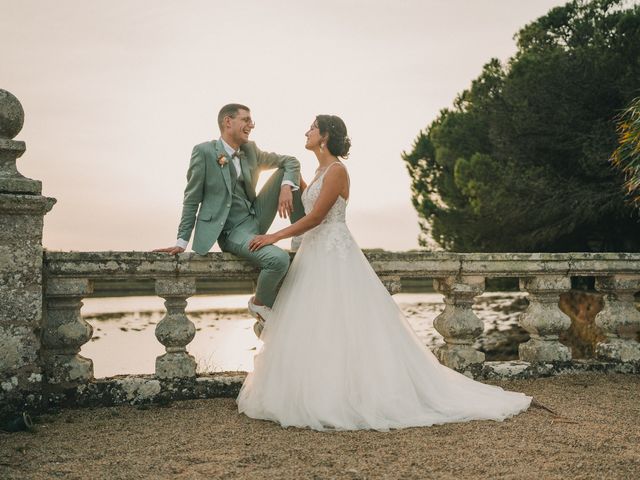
(544,320)
(458,324)
(22,210)
(175,330)
(619,318)
(65,331)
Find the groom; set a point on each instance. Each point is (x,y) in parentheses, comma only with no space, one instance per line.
(221,188)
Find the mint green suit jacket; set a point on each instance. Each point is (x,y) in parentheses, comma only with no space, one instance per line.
(208,190)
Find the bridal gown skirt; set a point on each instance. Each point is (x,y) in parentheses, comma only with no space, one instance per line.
(339,354)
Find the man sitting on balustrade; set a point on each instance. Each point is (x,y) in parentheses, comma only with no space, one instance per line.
(221,188)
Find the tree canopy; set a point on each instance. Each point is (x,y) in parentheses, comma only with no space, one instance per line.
(521,160)
(627,156)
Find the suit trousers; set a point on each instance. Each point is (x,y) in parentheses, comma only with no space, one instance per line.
(272,261)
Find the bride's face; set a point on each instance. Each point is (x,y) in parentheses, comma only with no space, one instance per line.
(313,137)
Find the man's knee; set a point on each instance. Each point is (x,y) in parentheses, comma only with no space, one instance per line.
(275,179)
(278,260)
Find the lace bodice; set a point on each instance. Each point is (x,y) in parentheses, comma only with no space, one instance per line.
(332,234)
(337,213)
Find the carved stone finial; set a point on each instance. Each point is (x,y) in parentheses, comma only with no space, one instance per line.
(11,120)
(11,115)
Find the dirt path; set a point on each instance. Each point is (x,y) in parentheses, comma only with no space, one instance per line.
(598,436)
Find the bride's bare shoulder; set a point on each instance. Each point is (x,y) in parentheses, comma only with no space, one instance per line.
(337,179)
(336,172)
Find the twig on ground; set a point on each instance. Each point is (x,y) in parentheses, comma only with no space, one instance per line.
(537,404)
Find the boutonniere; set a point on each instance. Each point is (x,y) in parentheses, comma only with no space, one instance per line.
(222,160)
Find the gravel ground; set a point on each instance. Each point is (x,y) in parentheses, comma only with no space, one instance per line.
(595,435)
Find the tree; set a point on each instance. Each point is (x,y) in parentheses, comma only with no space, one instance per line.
(520,162)
(627,156)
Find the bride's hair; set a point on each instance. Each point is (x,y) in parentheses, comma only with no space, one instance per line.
(338,142)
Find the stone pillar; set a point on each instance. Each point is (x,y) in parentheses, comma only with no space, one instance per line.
(175,330)
(619,318)
(458,324)
(544,320)
(22,210)
(65,331)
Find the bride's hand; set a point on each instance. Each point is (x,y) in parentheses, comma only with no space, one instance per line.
(260,241)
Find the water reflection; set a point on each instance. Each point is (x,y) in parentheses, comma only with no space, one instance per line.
(124,340)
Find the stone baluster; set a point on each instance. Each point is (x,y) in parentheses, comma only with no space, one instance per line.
(65,332)
(544,320)
(392,284)
(458,324)
(619,318)
(175,330)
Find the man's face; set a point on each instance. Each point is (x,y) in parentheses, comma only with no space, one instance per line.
(240,126)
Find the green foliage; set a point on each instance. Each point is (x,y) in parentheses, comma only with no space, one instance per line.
(521,160)
(627,156)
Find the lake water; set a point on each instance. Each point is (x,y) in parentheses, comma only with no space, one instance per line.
(124,340)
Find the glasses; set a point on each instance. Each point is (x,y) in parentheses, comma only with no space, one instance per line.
(248,121)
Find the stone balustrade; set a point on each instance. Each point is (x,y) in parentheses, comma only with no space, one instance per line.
(39,347)
(458,277)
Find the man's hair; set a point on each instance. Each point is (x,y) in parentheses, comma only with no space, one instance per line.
(230,110)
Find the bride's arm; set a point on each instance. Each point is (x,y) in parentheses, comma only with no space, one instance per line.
(333,184)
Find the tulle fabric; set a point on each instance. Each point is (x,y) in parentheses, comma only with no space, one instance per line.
(338,353)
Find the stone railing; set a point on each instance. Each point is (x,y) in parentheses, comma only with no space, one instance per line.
(39,347)
(459,277)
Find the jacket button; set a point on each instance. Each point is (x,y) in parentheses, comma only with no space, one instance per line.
(228,204)
(222,223)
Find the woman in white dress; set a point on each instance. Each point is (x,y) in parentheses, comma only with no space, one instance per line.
(338,354)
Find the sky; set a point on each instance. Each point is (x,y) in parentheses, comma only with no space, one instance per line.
(117,93)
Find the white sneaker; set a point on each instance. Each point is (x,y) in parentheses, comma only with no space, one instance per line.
(259,312)
(258,327)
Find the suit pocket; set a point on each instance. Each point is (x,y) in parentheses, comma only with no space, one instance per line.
(205,217)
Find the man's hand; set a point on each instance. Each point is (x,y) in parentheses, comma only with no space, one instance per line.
(285,202)
(170,250)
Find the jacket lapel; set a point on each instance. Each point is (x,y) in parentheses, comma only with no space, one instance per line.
(219,150)
(246,175)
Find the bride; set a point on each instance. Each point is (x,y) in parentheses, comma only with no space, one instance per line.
(338,353)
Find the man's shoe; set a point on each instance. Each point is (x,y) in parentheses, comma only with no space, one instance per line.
(258,327)
(259,312)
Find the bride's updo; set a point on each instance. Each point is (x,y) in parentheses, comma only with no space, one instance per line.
(338,142)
